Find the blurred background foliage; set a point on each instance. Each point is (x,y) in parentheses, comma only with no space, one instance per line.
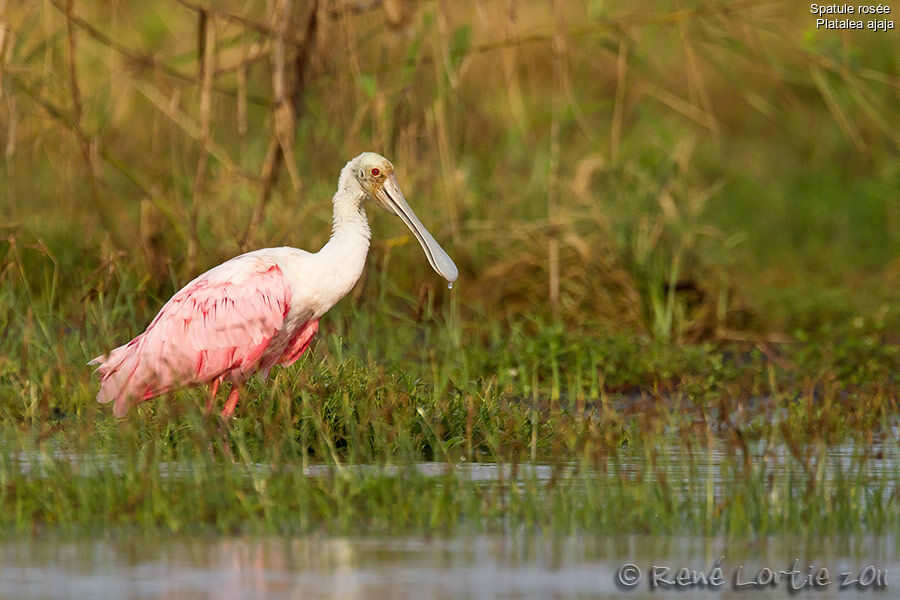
(689,170)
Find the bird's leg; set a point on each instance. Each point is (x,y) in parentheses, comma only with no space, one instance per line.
(210,404)
(213,388)
(227,412)
(232,401)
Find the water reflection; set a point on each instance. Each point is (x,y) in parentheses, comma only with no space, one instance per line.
(512,566)
(685,472)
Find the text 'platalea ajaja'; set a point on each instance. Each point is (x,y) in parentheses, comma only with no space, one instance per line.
(261,308)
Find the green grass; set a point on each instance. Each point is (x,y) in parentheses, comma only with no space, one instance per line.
(625,424)
(720,188)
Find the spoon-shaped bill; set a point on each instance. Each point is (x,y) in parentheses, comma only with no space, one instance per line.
(392,198)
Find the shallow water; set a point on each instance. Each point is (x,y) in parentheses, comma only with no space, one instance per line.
(512,566)
(875,467)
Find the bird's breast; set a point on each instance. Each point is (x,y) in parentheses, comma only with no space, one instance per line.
(318,281)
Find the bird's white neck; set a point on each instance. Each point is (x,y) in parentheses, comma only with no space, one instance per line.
(344,255)
(349,217)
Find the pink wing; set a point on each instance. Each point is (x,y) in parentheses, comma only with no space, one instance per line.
(221,323)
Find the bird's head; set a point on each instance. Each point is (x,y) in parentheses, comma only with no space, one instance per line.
(375,175)
(371,171)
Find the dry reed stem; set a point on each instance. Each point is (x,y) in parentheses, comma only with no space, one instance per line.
(152,241)
(439,118)
(283,125)
(697,87)
(206,50)
(510,72)
(12,120)
(558,47)
(615,130)
(241,73)
(290,112)
(84,140)
(837,112)
(447,171)
(568,87)
(287,103)
(678,104)
(5,35)
(268,174)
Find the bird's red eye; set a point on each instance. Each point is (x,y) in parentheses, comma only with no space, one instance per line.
(375,172)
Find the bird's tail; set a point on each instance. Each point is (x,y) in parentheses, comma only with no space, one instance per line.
(118,381)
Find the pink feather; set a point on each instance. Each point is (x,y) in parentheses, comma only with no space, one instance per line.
(217,327)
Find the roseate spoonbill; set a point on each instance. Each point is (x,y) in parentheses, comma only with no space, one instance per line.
(261,308)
